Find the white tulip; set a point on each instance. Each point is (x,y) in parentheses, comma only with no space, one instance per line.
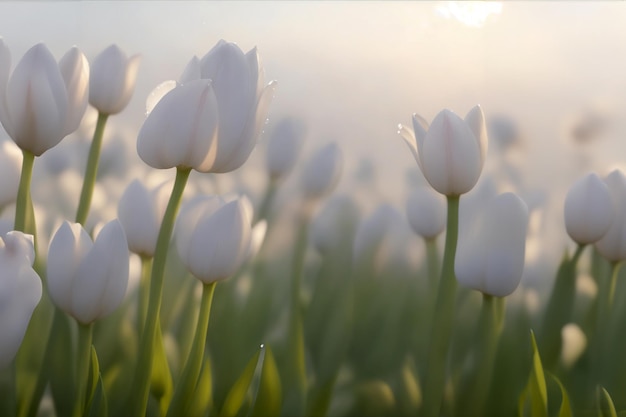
(612,245)
(588,210)
(10,168)
(141,212)
(574,344)
(334,224)
(20,292)
(426,212)
(88,279)
(451,152)
(283,147)
(490,258)
(112,81)
(322,171)
(42,101)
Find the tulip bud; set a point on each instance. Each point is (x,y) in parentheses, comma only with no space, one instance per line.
(10,168)
(451,152)
(612,245)
(243,101)
(588,210)
(88,279)
(426,212)
(181,130)
(335,225)
(112,81)
(574,344)
(213,238)
(20,292)
(490,258)
(322,171)
(43,101)
(283,147)
(141,211)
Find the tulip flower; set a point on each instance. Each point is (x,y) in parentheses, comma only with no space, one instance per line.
(88,279)
(490,258)
(112,81)
(141,211)
(181,130)
(322,171)
(574,344)
(10,166)
(612,245)
(42,101)
(336,222)
(20,292)
(588,210)
(426,212)
(214,240)
(283,147)
(451,152)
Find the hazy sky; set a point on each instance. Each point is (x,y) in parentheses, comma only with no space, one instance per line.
(354,70)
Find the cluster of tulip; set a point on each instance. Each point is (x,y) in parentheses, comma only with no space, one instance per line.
(349,334)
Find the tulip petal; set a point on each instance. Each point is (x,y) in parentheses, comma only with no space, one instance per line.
(420,128)
(5,70)
(157,94)
(410,140)
(75,71)
(192,71)
(190,214)
(475,119)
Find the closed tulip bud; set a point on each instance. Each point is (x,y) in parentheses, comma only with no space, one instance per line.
(612,245)
(181,130)
(426,212)
(112,81)
(88,279)
(322,171)
(20,292)
(335,225)
(243,100)
(588,210)
(42,101)
(490,258)
(10,168)
(141,211)
(283,147)
(214,241)
(574,344)
(451,152)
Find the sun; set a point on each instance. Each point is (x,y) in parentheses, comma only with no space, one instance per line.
(470,13)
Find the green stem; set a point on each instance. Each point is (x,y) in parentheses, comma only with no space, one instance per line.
(23,193)
(486,345)
(432,264)
(295,397)
(441,330)
(146,343)
(85,332)
(611,295)
(266,203)
(187,384)
(91,170)
(144,288)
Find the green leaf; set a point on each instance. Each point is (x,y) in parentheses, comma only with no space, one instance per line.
(605,404)
(161,384)
(237,394)
(536,391)
(98,406)
(203,395)
(566,409)
(94,375)
(269,396)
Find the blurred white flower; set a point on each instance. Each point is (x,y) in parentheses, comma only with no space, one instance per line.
(335,224)
(426,212)
(213,238)
(42,101)
(490,258)
(20,292)
(588,210)
(613,243)
(451,152)
(283,147)
(322,171)
(574,344)
(141,211)
(88,279)
(10,168)
(112,80)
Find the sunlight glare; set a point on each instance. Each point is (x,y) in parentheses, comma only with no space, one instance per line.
(470,13)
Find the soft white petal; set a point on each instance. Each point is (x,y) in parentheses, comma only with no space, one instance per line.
(75,71)
(190,214)
(157,94)
(475,119)
(191,72)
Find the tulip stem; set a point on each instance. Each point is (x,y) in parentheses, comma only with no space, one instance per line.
(23,203)
(268,198)
(146,342)
(144,287)
(85,332)
(432,265)
(441,330)
(186,386)
(91,170)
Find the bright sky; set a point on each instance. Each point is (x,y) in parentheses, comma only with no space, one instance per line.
(354,70)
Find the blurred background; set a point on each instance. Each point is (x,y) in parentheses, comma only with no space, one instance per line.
(550,77)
